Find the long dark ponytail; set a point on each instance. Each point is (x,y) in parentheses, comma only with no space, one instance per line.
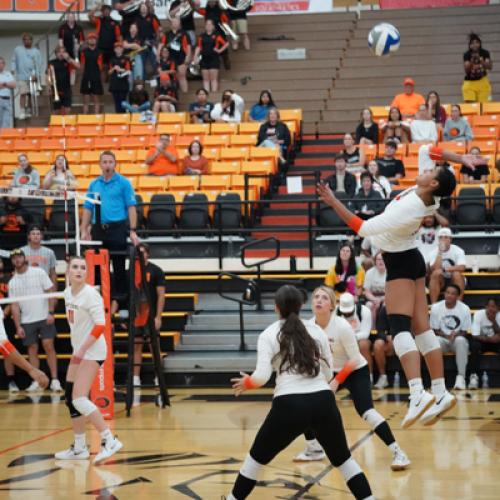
(299,353)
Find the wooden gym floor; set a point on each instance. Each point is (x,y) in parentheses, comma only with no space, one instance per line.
(194,450)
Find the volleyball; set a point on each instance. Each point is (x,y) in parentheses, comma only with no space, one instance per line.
(383,39)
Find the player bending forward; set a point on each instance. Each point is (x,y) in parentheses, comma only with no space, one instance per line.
(393,231)
(85,312)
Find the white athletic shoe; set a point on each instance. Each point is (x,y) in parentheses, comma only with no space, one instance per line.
(310,456)
(34,387)
(445,403)
(71,454)
(13,387)
(459,383)
(473,382)
(108,448)
(137,381)
(382,382)
(399,460)
(55,386)
(419,404)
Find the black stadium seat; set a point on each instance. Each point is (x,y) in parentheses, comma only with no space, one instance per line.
(228,214)
(36,208)
(326,216)
(161,215)
(194,212)
(471,206)
(57,217)
(496,206)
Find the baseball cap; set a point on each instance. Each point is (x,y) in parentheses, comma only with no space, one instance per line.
(17,251)
(409,81)
(346,303)
(92,35)
(444,231)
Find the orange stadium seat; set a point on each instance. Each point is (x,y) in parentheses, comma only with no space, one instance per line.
(107,142)
(89,119)
(380,112)
(84,183)
(169,128)
(470,108)
(401,150)
(79,170)
(183,141)
(486,120)
(414,148)
(41,157)
(26,145)
(90,156)
(152,183)
(220,141)
(62,120)
(12,133)
(43,169)
(458,147)
(133,142)
(86,143)
(238,183)
(370,150)
(115,130)
(491,108)
(486,147)
(142,129)
(225,167)
(243,140)
(37,132)
(10,158)
(56,131)
(140,155)
(196,128)
(215,182)
(73,156)
(52,144)
(224,128)
(264,154)
(257,167)
(6,144)
(90,130)
(125,155)
(184,183)
(171,118)
(480,133)
(116,119)
(137,169)
(237,153)
(211,153)
(249,127)
(94,169)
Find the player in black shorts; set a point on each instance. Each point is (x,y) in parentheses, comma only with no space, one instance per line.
(60,67)
(91,85)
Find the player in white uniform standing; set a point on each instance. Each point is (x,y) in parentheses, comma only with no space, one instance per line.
(302,400)
(85,312)
(393,231)
(345,351)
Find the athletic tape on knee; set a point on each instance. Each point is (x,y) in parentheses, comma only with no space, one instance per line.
(373,418)
(68,396)
(427,342)
(84,406)
(250,468)
(404,343)
(349,469)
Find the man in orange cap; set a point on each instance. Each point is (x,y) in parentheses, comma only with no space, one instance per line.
(409,101)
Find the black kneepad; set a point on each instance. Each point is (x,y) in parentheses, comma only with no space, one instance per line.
(399,323)
(68,396)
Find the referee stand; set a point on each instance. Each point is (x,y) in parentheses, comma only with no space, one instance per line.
(140,317)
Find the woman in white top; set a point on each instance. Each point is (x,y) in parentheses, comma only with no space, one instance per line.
(85,313)
(345,351)
(303,399)
(393,231)
(380,183)
(230,109)
(60,177)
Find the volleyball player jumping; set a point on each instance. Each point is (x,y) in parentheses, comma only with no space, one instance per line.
(393,231)
(301,357)
(345,350)
(85,312)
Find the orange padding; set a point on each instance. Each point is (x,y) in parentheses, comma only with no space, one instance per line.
(355,223)
(6,348)
(347,369)
(436,153)
(247,382)
(97,331)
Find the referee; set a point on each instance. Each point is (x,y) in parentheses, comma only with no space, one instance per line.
(118,216)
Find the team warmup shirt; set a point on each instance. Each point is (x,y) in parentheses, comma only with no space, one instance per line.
(84,311)
(34,281)
(288,382)
(456,319)
(375,281)
(343,342)
(454,256)
(481,325)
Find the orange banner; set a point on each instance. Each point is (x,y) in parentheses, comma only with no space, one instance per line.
(6,5)
(102,392)
(62,5)
(32,5)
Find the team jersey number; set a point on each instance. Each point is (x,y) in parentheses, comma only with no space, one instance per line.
(71,316)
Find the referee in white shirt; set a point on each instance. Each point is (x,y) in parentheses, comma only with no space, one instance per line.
(7,84)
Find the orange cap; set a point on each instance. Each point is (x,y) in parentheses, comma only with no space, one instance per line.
(409,81)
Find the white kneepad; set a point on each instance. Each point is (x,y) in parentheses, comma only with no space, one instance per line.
(427,342)
(250,468)
(373,418)
(84,406)
(404,343)
(349,469)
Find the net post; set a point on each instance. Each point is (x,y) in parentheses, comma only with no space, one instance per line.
(77,229)
(129,393)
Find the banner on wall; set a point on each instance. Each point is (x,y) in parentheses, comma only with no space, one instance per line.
(269,6)
(421,4)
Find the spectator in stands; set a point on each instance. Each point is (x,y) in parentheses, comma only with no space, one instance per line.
(7,85)
(389,166)
(369,251)
(274,133)
(162,158)
(260,110)
(367,201)
(92,64)
(26,174)
(199,111)
(209,47)
(14,220)
(395,128)
(485,337)
(477,176)
(367,129)
(60,177)
(177,42)
(40,256)
(230,109)
(128,10)
(354,156)
(138,99)
(457,127)
(239,24)
(423,129)
(187,20)
(427,236)
(436,112)
(165,94)
(148,25)
(26,62)
(447,264)
(380,182)
(342,181)
(119,71)
(195,162)
(477,62)
(107,29)
(346,275)
(409,101)
(34,319)
(374,286)
(61,67)
(451,320)
(133,47)
(118,217)
(71,35)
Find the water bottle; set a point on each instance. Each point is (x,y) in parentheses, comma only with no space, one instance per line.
(397,380)
(484,380)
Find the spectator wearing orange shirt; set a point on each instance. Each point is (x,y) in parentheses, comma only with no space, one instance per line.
(162,158)
(409,101)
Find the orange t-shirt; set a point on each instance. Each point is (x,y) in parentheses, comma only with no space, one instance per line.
(162,165)
(408,104)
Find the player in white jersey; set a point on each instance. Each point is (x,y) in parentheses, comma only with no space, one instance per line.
(85,313)
(393,231)
(302,400)
(9,352)
(345,351)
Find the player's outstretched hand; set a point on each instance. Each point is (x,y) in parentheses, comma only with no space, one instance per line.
(239,384)
(472,161)
(40,377)
(325,193)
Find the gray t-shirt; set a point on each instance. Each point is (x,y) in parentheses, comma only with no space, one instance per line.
(42,257)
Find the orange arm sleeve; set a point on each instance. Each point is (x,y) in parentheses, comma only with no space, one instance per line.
(97,331)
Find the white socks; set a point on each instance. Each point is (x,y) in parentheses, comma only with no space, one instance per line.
(416,386)
(438,387)
(80,442)
(107,435)
(394,447)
